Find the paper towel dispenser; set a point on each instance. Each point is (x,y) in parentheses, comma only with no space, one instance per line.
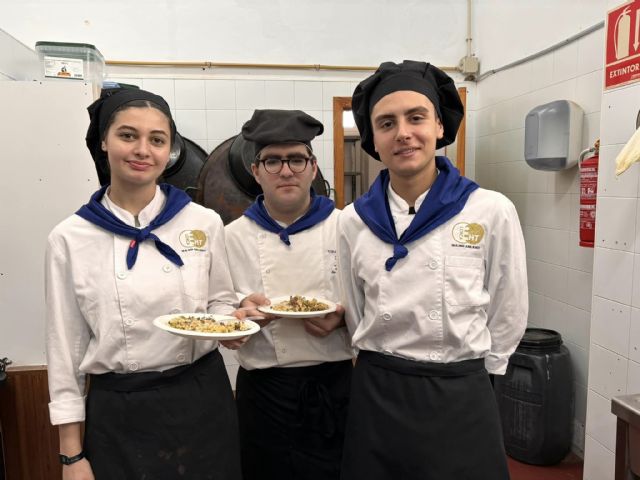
(553,135)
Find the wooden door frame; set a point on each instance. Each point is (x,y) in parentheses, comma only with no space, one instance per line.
(340,104)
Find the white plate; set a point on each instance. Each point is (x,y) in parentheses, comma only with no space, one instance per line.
(279,313)
(163,323)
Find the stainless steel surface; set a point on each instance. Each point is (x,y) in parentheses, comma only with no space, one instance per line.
(628,406)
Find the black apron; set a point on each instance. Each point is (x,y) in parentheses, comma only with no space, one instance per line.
(180,423)
(422,421)
(292,421)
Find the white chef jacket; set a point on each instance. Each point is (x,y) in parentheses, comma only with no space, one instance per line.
(261,262)
(460,293)
(99,313)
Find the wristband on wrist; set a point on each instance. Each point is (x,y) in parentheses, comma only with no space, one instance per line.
(70,460)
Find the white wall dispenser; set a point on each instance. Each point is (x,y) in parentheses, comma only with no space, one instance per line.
(553,135)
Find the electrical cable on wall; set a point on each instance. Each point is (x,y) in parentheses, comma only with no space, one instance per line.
(553,47)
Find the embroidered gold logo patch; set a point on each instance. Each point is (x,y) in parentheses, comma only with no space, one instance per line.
(468,233)
(193,238)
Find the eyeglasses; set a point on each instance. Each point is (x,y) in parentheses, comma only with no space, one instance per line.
(296,163)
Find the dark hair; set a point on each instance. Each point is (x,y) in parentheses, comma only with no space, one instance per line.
(140,104)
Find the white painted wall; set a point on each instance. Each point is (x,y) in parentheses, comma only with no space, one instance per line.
(507,30)
(343,32)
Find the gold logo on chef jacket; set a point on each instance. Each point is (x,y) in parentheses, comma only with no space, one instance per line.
(193,239)
(468,233)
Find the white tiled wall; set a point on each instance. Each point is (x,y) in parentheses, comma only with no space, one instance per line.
(614,367)
(559,270)
(209,110)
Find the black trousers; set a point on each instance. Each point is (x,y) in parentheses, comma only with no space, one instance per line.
(180,423)
(422,421)
(292,421)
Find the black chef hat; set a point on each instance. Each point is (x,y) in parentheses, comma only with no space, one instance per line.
(267,127)
(419,77)
(101,111)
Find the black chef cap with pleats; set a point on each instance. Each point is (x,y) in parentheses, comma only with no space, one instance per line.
(419,77)
(100,113)
(267,127)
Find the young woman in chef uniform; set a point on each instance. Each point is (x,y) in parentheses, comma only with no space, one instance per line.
(130,400)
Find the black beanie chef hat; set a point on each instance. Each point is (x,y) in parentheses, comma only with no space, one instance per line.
(267,127)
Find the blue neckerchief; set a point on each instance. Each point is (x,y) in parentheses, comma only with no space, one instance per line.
(97,214)
(320,208)
(445,200)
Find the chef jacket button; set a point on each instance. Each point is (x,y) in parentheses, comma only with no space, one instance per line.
(283,350)
(433,356)
(166,268)
(122,275)
(261,235)
(174,311)
(434,315)
(433,264)
(386,316)
(128,322)
(133,366)
(180,357)
(268,270)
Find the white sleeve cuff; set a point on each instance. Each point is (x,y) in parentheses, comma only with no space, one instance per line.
(67,411)
(496,365)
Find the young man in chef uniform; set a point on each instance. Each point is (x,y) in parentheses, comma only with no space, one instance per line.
(435,291)
(294,376)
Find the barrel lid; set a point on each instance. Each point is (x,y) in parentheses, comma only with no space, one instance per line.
(241,156)
(540,338)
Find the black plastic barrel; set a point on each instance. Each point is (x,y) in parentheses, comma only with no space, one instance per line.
(535,399)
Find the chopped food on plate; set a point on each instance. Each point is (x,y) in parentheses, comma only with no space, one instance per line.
(205,325)
(298,303)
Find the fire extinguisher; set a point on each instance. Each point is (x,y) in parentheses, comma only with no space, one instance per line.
(622,32)
(588,194)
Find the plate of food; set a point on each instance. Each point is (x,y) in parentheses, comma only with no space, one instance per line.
(206,326)
(298,306)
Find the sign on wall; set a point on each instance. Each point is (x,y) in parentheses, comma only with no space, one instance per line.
(622,56)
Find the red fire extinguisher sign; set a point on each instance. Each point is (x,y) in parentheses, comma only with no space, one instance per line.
(588,195)
(622,50)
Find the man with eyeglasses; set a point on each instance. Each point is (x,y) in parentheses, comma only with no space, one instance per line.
(294,377)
